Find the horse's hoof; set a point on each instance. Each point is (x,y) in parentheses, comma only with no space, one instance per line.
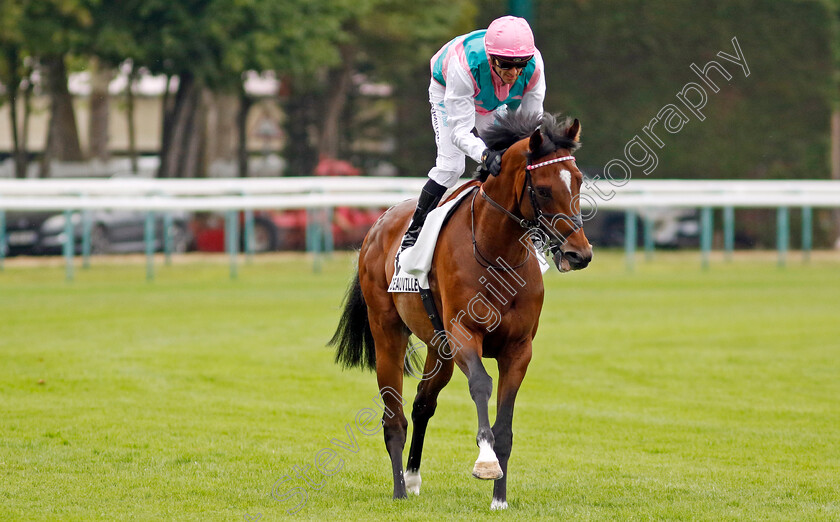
(488,470)
(498,505)
(412,482)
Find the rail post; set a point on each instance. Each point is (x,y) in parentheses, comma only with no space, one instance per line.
(249,235)
(87,225)
(149,243)
(728,232)
(69,245)
(706,233)
(649,245)
(630,238)
(2,237)
(782,233)
(168,227)
(807,232)
(329,240)
(231,238)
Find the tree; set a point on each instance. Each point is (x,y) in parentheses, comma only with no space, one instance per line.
(14,73)
(401,58)
(52,30)
(209,45)
(383,40)
(834,7)
(294,38)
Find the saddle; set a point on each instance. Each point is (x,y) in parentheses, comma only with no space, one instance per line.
(415,263)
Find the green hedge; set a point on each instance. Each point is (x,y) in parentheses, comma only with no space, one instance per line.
(615,64)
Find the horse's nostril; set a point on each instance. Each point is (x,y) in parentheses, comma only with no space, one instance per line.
(573,257)
(576,259)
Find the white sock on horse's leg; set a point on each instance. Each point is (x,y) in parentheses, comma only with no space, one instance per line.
(412,482)
(487,465)
(485,452)
(498,504)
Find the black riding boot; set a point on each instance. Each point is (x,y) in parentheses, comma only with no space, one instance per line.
(429,198)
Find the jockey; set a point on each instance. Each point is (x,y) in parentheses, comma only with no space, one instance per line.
(475,77)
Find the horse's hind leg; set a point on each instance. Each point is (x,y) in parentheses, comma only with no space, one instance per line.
(436,375)
(390,341)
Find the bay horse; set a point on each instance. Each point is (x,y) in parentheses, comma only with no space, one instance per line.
(488,290)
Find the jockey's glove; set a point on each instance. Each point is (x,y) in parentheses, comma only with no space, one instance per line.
(491,161)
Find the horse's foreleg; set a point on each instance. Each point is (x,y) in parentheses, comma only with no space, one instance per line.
(390,350)
(511,372)
(436,375)
(481,387)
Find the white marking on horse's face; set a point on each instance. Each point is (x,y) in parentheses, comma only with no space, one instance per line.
(566,176)
(498,504)
(485,452)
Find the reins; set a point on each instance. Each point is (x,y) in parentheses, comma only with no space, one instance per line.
(481,258)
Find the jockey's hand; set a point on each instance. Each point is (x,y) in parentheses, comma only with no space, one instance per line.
(491,161)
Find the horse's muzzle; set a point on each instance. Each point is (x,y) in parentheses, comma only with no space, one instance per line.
(572,259)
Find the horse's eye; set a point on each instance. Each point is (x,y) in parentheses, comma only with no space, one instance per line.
(544,192)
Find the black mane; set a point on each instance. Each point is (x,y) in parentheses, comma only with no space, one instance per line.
(516,125)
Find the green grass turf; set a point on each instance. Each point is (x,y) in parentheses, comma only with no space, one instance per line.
(669,393)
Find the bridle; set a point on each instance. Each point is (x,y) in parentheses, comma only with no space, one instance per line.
(540,216)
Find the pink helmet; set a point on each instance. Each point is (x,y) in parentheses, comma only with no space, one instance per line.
(509,36)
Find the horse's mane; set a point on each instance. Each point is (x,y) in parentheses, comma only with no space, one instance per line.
(517,125)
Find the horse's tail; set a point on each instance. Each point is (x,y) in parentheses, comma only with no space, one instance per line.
(353,340)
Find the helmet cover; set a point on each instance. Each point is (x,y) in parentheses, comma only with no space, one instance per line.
(510,37)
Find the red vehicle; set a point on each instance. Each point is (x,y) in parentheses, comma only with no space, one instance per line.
(286,229)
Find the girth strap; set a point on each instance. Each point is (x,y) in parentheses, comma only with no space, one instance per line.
(431,310)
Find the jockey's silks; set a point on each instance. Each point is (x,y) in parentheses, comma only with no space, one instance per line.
(490,92)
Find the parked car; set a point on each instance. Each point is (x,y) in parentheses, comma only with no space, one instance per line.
(672,228)
(208,231)
(112,231)
(284,230)
(22,231)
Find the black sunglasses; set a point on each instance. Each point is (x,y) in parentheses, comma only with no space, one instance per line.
(511,63)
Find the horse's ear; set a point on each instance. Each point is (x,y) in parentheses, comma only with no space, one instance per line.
(536,141)
(574,131)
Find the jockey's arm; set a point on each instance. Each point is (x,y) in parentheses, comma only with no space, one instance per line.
(460,109)
(532,100)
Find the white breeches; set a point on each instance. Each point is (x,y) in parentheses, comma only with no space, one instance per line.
(450,163)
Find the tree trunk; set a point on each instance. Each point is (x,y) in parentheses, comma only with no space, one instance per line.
(166,126)
(23,165)
(193,165)
(46,154)
(62,133)
(12,91)
(835,167)
(99,112)
(19,150)
(17,153)
(339,85)
(184,133)
(129,113)
(245,104)
(221,133)
(302,109)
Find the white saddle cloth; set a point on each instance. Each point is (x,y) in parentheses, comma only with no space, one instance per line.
(415,262)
